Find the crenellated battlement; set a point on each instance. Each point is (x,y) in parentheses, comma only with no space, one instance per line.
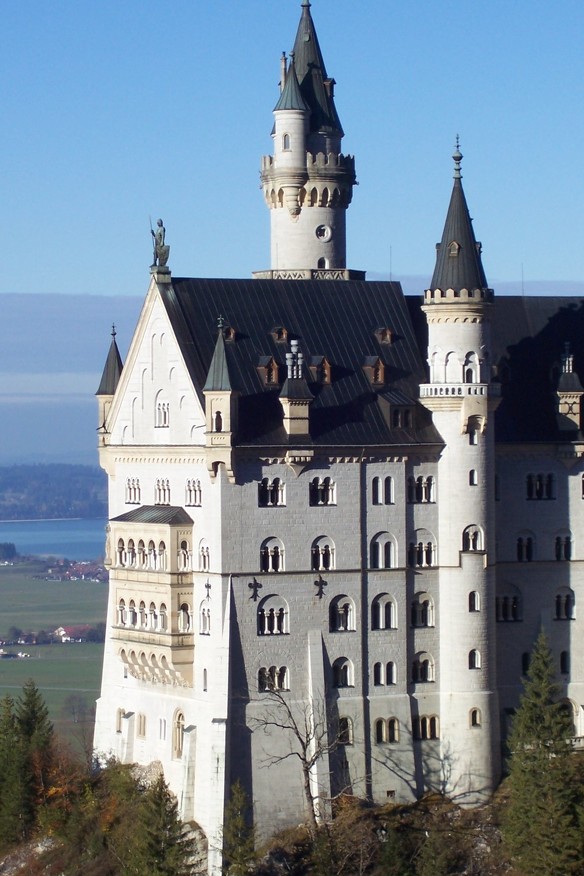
(435,296)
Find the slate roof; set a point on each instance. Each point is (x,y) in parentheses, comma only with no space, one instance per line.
(465,270)
(312,75)
(112,370)
(291,96)
(336,319)
(218,377)
(169,515)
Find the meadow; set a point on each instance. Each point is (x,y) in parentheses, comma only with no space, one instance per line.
(68,675)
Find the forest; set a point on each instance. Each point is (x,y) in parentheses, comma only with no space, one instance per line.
(62,814)
(47,492)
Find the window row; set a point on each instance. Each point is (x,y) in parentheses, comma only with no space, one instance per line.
(155,557)
(272,493)
(193,495)
(509,607)
(563,548)
(421,489)
(564,662)
(155,618)
(273,615)
(178,729)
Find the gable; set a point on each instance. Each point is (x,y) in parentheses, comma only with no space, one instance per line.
(155,402)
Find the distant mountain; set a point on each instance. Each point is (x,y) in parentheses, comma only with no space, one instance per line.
(29,492)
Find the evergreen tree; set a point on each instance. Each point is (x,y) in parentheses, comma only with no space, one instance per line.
(238,834)
(36,735)
(540,823)
(162,845)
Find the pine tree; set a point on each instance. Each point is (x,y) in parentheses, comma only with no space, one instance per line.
(238,835)
(162,844)
(36,735)
(540,823)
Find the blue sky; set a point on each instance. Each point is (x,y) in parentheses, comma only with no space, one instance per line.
(114,111)
(117,111)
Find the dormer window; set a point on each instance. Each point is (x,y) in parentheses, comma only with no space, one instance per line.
(279,334)
(320,370)
(269,371)
(401,418)
(384,335)
(453,248)
(374,368)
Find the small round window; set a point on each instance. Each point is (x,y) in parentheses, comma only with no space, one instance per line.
(324,232)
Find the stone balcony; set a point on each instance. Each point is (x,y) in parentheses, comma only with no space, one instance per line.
(459,390)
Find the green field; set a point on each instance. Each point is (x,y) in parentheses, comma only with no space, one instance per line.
(69,675)
(33,604)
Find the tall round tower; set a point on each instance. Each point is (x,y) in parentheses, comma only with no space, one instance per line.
(458,307)
(307,182)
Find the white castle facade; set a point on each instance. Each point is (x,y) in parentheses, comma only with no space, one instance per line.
(332,503)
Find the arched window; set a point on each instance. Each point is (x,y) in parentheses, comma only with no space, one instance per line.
(273,616)
(178,735)
(271,493)
(425,727)
(509,606)
(273,678)
(471,368)
(376,491)
(383,613)
(205,618)
(143,615)
(162,556)
(342,615)
(131,553)
(204,556)
(152,617)
(142,558)
(421,489)
(472,539)
(474,718)
(286,142)
(162,620)
(382,552)
(121,552)
(423,669)
(218,422)
(272,555)
(564,604)
(184,618)
(392,730)
(474,659)
(525,547)
(422,551)
(345,731)
(473,477)
(380,731)
(322,492)
(122,612)
(132,614)
(390,672)
(342,672)
(322,554)
(378,674)
(474,601)
(563,546)
(422,614)
(152,559)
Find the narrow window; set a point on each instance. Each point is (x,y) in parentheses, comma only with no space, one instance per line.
(565,662)
(473,477)
(474,601)
(475,718)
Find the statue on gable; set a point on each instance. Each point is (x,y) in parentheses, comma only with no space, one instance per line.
(161,251)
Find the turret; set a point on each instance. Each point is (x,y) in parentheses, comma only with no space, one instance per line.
(295,395)
(308,182)
(109,382)
(569,395)
(220,406)
(458,307)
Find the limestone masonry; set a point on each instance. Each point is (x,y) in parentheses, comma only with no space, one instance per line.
(338,516)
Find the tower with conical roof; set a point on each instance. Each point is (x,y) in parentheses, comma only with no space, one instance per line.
(460,394)
(307,182)
(110,378)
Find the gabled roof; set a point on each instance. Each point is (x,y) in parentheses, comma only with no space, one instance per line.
(112,370)
(330,318)
(169,515)
(458,256)
(291,96)
(312,77)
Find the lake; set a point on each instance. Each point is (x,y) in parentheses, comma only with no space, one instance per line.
(74,539)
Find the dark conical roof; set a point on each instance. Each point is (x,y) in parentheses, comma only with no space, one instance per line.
(315,85)
(112,369)
(458,255)
(218,379)
(291,96)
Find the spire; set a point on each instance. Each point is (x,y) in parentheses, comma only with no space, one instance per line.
(112,370)
(458,255)
(316,87)
(291,96)
(218,379)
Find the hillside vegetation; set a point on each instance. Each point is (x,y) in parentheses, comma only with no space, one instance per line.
(29,492)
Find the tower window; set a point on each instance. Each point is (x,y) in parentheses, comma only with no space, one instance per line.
(286,142)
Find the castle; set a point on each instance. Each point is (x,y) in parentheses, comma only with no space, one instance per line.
(338,515)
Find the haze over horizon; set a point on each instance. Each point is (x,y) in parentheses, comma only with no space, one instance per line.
(105,132)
